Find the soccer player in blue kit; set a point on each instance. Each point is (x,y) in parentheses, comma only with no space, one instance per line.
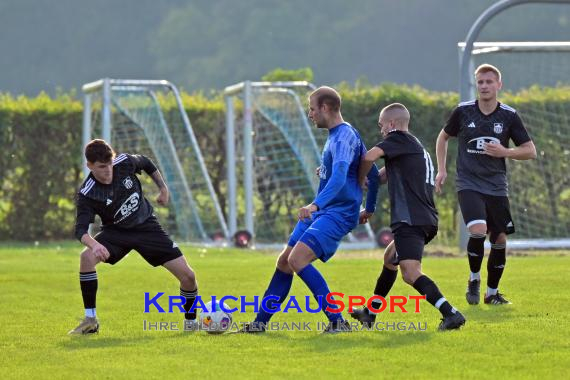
(324,222)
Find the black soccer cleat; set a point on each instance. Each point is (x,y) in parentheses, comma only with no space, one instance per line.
(473,292)
(452,322)
(496,299)
(251,328)
(363,316)
(338,327)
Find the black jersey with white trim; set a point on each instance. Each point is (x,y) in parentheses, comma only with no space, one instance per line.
(410,173)
(476,170)
(120,204)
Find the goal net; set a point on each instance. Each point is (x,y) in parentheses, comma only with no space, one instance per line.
(277,152)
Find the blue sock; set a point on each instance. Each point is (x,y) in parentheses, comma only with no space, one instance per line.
(316,282)
(279,286)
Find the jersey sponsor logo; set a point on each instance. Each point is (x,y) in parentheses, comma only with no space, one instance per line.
(477,145)
(128,182)
(471,125)
(127,208)
(498,128)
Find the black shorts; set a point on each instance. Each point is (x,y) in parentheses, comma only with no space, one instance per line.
(494,211)
(410,241)
(148,239)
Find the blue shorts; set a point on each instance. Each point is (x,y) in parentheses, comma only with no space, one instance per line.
(322,234)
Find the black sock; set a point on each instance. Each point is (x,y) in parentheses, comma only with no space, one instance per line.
(190,296)
(384,284)
(425,286)
(88,282)
(496,265)
(475,251)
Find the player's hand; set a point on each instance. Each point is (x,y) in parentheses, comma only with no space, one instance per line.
(495,150)
(306,211)
(439,181)
(100,252)
(364,216)
(163,196)
(318,171)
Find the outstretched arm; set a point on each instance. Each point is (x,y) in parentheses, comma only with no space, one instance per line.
(373,183)
(367,162)
(441,153)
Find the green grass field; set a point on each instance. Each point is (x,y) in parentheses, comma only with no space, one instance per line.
(40,301)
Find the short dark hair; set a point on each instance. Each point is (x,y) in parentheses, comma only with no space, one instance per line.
(329,96)
(99,151)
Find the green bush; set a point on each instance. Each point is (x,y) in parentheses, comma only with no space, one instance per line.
(41,151)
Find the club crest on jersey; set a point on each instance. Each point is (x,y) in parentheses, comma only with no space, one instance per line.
(498,128)
(128,182)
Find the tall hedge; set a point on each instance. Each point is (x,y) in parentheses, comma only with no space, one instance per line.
(40,155)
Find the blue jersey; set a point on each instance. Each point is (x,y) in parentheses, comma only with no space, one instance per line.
(339,191)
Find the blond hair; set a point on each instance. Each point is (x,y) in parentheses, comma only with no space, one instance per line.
(485,68)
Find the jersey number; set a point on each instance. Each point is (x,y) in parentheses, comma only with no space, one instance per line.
(429,168)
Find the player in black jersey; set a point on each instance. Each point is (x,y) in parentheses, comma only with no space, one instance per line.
(414,219)
(483,129)
(113,191)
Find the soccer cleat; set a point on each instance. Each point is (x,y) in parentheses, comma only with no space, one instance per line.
(496,299)
(473,293)
(89,325)
(251,328)
(362,316)
(338,327)
(452,322)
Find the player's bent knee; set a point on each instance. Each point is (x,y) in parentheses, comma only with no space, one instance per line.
(410,276)
(389,257)
(478,229)
(296,263)
(408,279)
(283,261)
(88,257)
(189,276)
(498,238)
